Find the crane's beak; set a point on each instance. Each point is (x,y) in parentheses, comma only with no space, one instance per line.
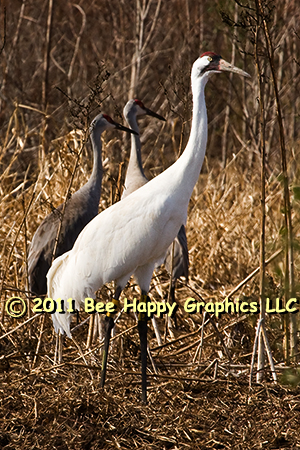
(122,128)
(153,114)
(224,66)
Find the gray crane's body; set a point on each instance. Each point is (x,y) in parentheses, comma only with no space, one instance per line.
(135,178)
(79,210)
(78,213)
(180,266)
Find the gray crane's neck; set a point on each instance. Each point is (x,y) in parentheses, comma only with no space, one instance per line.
(135,168)
(93,186)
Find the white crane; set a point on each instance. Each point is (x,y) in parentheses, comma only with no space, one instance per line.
(80,209)
(132,235)
(134,179)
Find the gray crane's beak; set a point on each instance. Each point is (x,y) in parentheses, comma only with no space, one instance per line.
(121,127)
(153,114)
(224,66)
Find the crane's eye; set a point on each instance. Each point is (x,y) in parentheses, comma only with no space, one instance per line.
(209,58)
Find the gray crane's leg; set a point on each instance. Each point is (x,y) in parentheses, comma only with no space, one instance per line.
(142,327)
(109,324)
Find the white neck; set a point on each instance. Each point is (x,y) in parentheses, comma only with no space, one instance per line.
(186,170)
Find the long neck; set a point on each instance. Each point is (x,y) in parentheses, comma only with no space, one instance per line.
(135,168)
(94,183)
(186,170)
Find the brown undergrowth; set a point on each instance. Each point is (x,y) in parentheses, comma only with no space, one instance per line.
(194,402)
(199,397)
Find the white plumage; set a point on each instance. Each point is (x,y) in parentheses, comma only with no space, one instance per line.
(81,271)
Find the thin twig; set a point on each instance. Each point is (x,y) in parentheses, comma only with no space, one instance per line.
(262,310)
(252,274)
(13,245)
(47,55)
(19,326)
(255,345)
(289,246)
(42,323)
(200,346)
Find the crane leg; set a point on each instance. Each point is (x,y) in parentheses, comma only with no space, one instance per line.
(109,324)
(142,327)
(172,300)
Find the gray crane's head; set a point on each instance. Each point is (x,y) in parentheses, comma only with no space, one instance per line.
(210,62)
(137,108)
(104,122)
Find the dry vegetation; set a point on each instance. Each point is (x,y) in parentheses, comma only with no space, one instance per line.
(59,69)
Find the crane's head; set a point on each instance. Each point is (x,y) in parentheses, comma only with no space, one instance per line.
(104,122)
(137,108)
(210,62)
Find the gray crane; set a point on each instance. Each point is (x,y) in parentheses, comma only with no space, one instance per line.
(177,257)
(135,177)
(80,209)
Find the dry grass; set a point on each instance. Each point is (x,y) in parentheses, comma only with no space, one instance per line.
(193,402)
(65,410)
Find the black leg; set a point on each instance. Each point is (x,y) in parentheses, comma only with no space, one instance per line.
(173,300)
